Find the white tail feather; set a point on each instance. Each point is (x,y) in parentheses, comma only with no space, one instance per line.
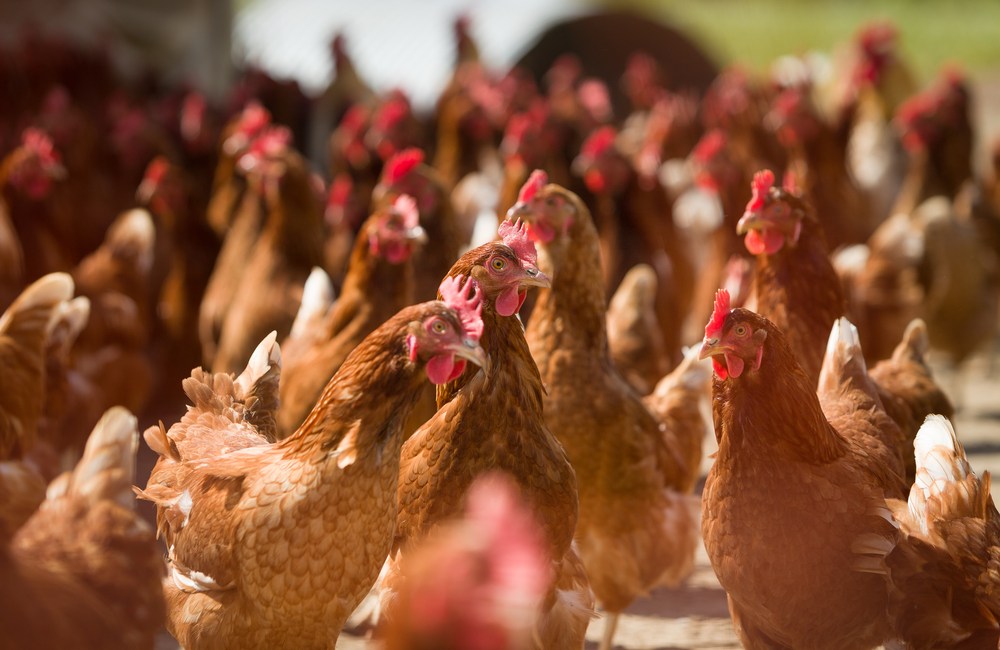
(317,298)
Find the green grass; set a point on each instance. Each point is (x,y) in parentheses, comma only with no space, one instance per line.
(755,32)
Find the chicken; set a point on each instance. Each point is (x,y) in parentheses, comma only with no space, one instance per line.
(798,478)
(228,186)
(681,401)
(346,89)
(11,259)
(84,571)
(379,283)
(70,398)
(28,176)
(186,250)
(794,282)
(942,573)
(907,388)
(876,85)
(464,131)
(406,173)
(290,244)
(820,160)
(936,130)
(236,215)
(638,525)
(706,216)
(111,351)
(273,544)
(634,337)
(635,225)
(24,330)
(476,582)
(931,264)
(492,420)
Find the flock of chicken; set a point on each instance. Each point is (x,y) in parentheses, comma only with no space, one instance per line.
(543,471)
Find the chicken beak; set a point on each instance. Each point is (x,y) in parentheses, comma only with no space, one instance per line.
(144,192)
(750,221)
(471,351)
(533,277)
(709,347)
(518,211)
(417,234)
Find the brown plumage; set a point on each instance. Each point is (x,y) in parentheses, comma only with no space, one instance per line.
(798,479)
(493,420)
(275,544)
(943,575)
(794,282)
(379,283)
(111,351)
(634,337)
(84,571)
(290,244)
(908,390)
(638,520)
(24,329)
(406,173)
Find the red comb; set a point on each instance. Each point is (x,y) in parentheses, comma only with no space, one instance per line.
(253,119)
(709,146)
(598,142)
(406,206)
(391,113)
(595,99)
(535,182)
(156,170)
(340,190)
(876,38)
(460,297)
(40,144)
(271,141)
(515,235)
(719,314)
(762,182)
(401,164)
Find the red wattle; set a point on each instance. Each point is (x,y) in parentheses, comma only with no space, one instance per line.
(508,302)
(439,368)
(734,365)
(764,241)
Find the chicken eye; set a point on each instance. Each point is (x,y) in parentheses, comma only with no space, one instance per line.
(551,201)
(438,327)
(740,330)
(498,263)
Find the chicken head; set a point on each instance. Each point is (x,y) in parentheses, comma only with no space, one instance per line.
(448,338)
(773,216)
(733,339)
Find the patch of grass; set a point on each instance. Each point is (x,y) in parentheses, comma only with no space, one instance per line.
(754,33)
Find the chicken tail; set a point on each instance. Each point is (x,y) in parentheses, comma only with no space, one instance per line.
(844,360)
(634,331)
(317,298)
(945,486)
(257,386)
(681,402)
(68,320)
(28,318)
(107,470)
(914,344)
(132,237)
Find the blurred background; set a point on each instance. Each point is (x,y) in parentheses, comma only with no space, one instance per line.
(408,44)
